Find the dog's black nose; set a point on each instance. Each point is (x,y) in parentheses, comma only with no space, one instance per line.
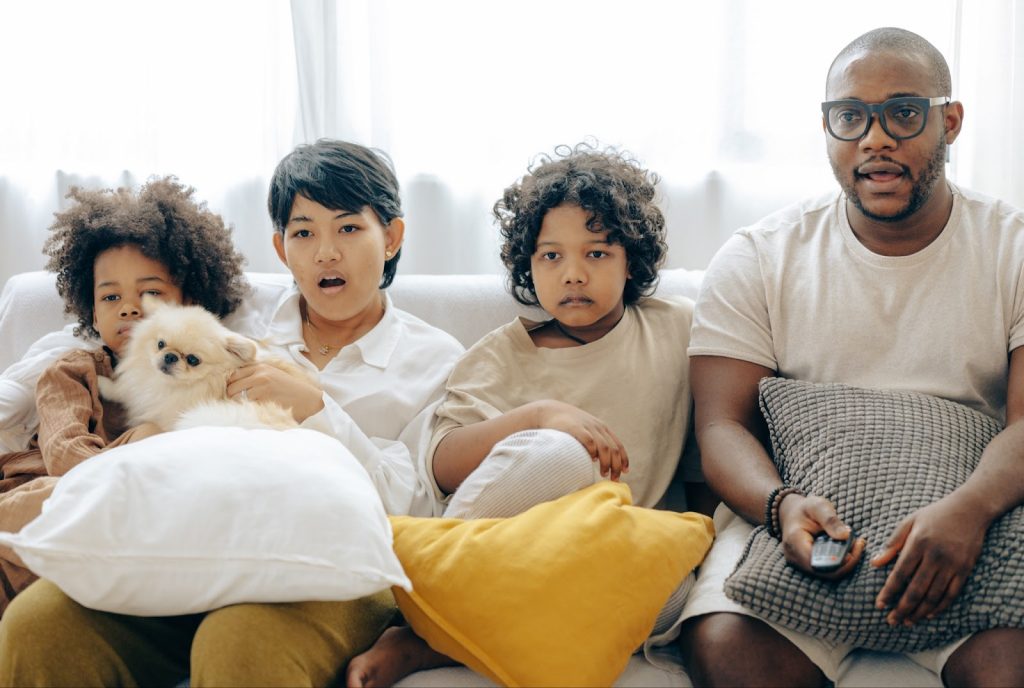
(170,359)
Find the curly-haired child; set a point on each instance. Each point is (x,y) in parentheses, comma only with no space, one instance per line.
(108,250)
(539,409)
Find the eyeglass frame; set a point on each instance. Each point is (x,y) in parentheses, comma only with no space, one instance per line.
(877,111)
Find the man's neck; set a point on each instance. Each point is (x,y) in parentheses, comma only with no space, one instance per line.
(908,236)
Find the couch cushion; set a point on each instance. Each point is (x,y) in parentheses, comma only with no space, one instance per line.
(465,306)
(561,594)
(878,456)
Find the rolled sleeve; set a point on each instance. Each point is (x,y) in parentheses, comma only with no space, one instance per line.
(389,463)
(731,316)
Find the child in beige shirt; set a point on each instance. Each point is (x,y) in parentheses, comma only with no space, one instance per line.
(539,409)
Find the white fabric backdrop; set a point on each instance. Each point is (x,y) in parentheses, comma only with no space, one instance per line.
(107,93)
(721,99)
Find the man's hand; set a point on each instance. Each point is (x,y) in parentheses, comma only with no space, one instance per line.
(801,518)
(596,437)
(264,382)
(935,549)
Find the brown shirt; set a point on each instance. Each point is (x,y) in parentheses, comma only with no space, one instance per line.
(74,424)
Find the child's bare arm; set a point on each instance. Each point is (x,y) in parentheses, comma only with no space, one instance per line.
(464,448)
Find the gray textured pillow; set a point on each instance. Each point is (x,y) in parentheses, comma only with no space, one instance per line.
(878,456)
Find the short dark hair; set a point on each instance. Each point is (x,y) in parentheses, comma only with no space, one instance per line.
(341,176)
(167,225)
(611,186)
(896,40)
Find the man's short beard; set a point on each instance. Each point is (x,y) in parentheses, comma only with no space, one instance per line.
(920,192)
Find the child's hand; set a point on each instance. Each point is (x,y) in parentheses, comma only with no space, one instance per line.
(264,382)
(596,437)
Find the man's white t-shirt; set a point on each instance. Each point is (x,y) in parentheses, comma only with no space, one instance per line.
(798,293)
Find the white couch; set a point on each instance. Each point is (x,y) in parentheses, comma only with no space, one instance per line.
(467,306)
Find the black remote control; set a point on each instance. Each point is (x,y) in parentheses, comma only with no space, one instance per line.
(827,554)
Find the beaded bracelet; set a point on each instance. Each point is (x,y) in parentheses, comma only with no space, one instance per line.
(771,507)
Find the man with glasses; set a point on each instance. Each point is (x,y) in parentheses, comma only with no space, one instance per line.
(901,280)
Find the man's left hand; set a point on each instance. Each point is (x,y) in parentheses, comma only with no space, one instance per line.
(935,549)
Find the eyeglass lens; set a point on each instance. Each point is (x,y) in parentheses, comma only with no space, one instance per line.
(901,119)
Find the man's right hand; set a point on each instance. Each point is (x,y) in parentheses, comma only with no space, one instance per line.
(801,518)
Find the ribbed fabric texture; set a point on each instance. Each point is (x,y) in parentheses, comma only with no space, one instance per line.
(523,470)
(878,456)
(672,610)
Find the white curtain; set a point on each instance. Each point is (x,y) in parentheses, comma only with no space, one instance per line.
(720,98)
(110,92)
(989,78)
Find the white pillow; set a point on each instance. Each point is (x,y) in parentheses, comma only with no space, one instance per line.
(197,519)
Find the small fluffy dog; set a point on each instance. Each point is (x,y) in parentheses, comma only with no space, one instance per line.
(175,367)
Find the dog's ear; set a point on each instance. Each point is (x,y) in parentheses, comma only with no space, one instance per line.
(151,304)
(242,348)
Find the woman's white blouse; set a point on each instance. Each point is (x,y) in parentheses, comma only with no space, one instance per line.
(380,393)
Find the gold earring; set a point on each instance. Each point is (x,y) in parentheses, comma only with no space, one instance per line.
(387,254)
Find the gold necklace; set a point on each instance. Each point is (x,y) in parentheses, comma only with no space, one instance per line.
(324,349)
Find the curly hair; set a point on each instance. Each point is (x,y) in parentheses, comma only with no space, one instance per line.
(341,176)
(166,224)
(611,186)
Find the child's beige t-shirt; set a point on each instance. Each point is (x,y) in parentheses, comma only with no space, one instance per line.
(635,379)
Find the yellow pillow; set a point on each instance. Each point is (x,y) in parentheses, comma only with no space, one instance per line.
(560,595)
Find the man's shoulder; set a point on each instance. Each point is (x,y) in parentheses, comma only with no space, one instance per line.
(810,222)
(669,308)
(807,212)
(978,204)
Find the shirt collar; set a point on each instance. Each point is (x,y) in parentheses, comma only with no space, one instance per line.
(378,345)
(375,347)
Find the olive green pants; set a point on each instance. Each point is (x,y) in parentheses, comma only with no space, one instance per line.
(47,639)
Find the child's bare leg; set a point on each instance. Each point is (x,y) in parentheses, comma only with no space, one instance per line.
(396,654)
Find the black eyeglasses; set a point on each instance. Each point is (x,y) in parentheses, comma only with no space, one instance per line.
(901,118)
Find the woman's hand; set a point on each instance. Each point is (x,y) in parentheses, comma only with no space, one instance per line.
(801,518)
(596,437)
(264,382)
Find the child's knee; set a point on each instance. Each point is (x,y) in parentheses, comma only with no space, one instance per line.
(287,644)
(524,469)
(39,612)
(34,628)
(556,456)
(234,646)
(544,442)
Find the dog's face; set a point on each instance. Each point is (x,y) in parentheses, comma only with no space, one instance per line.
(186,344)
